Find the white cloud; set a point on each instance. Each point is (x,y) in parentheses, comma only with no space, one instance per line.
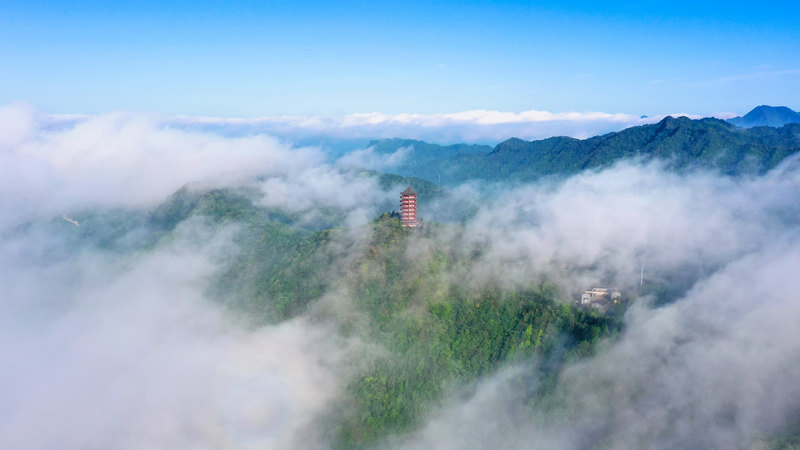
(321,187)
(125,160)
(17,123)
(465,126)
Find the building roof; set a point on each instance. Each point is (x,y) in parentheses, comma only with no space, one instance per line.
(408,191)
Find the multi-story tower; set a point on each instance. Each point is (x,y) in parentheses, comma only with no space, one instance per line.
(408,208)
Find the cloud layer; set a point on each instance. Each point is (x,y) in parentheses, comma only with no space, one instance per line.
(468,126)
(482,126)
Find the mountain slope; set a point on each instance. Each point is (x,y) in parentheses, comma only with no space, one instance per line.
(435,331)
(684,143)
(426,160)
(767,116)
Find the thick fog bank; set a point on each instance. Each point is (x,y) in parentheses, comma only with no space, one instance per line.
(105,351)
(125,160)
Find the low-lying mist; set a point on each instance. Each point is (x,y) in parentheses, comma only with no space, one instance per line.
(112,336)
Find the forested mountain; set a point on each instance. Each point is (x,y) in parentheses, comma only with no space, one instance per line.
(412,292)
(425,160)
(767,116)
(682,142)
(407,290)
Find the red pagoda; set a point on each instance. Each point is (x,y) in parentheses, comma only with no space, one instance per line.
(408,208)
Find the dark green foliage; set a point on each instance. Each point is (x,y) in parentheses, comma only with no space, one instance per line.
(254,281)
(682,142)
(786,438)
(783,442)
(441,334)
(279,268)
(301,277)
(421,149)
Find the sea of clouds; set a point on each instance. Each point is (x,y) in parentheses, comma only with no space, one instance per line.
(107,349)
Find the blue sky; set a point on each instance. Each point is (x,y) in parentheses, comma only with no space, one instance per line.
(272,58)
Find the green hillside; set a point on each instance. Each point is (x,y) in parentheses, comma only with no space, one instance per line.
(427,190)
(682,142)
(441,331)
(439,328)
(425,160)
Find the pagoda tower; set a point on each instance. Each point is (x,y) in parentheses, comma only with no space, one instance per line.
(408,208)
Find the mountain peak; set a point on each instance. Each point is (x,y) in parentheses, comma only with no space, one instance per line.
(766,108)
(765,115)
(670,122)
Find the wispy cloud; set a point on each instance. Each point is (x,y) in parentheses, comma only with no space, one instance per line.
(133,355)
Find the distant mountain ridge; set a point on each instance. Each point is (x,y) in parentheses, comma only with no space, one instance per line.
(684,143)
(767,116)
(425,160)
